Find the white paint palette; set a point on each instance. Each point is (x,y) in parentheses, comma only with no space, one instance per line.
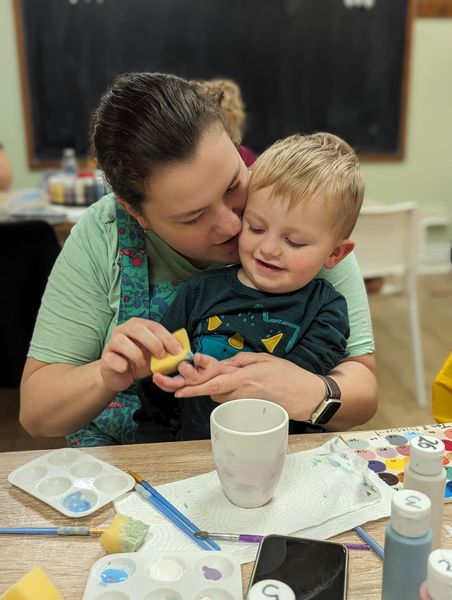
(197,575)
(74,482)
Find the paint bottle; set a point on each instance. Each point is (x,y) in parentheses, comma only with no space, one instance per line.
(425,473)
(439,576)
(408,542)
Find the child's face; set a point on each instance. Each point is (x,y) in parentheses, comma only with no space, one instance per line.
(282,250)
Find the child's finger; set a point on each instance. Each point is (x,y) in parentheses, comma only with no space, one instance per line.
(168,384)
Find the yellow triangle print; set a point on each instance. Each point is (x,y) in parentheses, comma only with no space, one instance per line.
(236,341)
(271,342)
(213,323)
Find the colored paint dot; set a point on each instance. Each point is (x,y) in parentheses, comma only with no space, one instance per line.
(448,433)
(386,452)
(389,478)
(76,502)
(395,439)
(448,493)
(358,444)
(211,574)
(445,461)
(396,464)
(113,576)
(366,454)
(404,450)
(411,434)
(447,444)
(401,476)
(449,472)
(377,466)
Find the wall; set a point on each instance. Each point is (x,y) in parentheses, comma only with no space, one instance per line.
(425,176)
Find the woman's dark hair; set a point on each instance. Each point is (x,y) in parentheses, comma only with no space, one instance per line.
(145,121)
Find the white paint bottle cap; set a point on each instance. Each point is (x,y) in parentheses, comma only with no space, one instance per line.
(439,574)
(410,513)
(426,455)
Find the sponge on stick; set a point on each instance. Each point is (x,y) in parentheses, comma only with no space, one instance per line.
(34,585)
(124,535)
(170,362)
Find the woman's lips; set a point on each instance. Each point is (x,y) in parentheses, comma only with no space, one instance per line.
(233,241)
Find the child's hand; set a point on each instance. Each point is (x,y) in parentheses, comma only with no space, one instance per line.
(203,369)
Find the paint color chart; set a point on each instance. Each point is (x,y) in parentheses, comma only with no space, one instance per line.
(387,451)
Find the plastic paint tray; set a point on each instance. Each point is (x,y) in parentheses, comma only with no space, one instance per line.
(194,575)
(72,481)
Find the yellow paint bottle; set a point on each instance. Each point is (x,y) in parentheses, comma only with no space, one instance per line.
(442,393)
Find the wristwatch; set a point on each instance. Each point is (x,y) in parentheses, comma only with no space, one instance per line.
(330,404)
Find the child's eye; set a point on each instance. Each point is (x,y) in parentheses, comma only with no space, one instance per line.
(294,244)
(255,229)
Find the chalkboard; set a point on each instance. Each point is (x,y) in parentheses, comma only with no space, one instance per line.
(303,65)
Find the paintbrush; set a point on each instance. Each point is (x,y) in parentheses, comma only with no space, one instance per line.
(256,539)
(79,530)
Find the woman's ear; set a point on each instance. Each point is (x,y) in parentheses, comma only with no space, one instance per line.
(142,221)
(338,253)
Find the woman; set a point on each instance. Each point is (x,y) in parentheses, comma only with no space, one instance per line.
(180,189)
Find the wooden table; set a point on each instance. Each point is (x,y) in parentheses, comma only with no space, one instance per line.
(67,560)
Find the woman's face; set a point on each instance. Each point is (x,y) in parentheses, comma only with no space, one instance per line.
(196,205)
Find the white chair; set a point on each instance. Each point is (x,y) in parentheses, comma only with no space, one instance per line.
(387,244)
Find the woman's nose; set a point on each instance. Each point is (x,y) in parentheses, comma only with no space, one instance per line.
(228,221)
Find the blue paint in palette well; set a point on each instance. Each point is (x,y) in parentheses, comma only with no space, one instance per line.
(113,576)
(76,502)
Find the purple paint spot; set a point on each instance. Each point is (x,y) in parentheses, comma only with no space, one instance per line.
(389,478)
(377,466)
(211,574)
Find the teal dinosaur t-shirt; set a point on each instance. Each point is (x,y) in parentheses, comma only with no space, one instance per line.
(80,305)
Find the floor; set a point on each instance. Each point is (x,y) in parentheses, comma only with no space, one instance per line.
(397,406)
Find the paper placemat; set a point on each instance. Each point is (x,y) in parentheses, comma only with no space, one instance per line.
(322,492)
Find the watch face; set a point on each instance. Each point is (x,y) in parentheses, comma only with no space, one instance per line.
(328,409)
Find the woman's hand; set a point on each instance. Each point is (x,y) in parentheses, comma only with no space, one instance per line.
(260,375)
(127,354)
(203,369)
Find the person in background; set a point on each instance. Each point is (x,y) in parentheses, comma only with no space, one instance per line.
(179,193)
(6,174)
(228,93)
(304,197)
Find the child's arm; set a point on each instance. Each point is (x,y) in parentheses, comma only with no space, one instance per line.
(203,369)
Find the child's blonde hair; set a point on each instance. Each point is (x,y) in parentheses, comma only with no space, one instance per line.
(320,167)
(227,93)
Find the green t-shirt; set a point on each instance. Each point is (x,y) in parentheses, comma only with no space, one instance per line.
(80,305)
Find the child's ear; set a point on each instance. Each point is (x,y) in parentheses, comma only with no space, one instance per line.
(338,253)
(142,221)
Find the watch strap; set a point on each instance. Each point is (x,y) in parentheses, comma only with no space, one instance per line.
(332,390)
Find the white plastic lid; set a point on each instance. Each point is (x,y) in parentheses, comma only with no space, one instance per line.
(410,513)
(426,455)
(439,574)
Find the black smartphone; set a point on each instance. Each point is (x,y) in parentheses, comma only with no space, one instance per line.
(312,569)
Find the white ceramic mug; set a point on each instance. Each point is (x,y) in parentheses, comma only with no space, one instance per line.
(249,443)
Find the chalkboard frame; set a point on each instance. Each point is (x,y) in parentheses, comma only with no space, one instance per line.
(37,163)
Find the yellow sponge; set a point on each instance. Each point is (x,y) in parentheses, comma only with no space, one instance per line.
(124,535)
(170,362)
(34,585)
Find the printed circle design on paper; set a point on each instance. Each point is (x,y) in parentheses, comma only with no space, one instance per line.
(395,439)
(449,472)
(80,501)
(377,466)
(448,433)
(446,461)
(367,454)
(448,493)
(357,444)
(166,569)
(410,435)
(396,464)
(447,444)
(389,478)
(386,452)
(404,449)
(401,476)
(164,594)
